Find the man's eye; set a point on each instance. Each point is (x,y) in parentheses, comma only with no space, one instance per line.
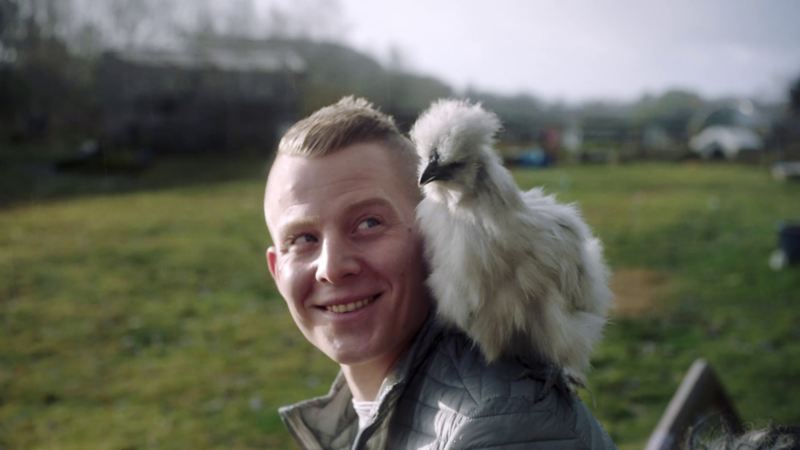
(301,239)
(304,239)
(368,223)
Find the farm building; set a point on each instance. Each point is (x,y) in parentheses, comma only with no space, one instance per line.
(222,96)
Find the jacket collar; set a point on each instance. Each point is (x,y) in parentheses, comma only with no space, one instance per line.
(330,422)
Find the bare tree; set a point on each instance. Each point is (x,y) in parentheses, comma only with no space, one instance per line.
(242,19)
(88,40)
(9,30)
(140,23)
(53,17)
(310,19)
(794,96)
(89,26)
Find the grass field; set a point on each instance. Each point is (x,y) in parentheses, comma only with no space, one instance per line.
(136,312)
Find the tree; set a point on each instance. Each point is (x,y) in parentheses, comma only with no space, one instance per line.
(9,30)
(794,96)
(242,19)
(672,111)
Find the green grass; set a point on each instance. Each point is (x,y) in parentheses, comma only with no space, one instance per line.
(136,312)
(710,230)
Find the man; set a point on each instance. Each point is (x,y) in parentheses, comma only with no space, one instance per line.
(347,258)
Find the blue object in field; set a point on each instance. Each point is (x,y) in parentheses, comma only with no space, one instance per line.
(534,158)
(789,242)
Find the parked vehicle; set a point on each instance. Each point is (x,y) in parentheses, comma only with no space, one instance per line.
(725,141)
(728,132)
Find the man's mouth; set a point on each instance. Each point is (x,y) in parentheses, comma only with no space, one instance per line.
(350,307)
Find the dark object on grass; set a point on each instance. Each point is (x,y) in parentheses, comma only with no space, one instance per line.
(88,153)
(788,251)
(700,394)
(789,242)
(786,171)
(51,399)
(93,159)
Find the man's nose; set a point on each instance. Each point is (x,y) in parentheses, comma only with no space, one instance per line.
(337,261)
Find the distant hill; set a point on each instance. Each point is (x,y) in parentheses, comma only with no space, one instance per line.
(334,70)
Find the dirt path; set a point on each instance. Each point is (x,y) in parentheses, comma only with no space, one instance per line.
(638,292)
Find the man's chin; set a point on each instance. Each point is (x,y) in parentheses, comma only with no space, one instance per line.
(351,356)
(359,353)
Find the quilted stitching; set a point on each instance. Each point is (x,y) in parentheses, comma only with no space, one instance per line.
(448,398)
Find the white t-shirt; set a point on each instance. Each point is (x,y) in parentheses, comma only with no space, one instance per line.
(365,411)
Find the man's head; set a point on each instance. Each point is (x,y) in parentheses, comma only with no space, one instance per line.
(347,258)
(349,121)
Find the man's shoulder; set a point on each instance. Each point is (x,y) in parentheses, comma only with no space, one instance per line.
(456,394)
(457,368)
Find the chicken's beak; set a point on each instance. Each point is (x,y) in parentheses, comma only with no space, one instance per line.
(431,172)
(436,172)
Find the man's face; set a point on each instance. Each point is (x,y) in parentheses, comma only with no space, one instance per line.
(347,257)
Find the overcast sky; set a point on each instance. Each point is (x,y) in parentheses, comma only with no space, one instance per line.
(587,49)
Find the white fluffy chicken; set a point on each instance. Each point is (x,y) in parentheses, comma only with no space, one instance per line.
(521,274)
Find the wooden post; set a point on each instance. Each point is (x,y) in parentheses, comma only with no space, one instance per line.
(699,394)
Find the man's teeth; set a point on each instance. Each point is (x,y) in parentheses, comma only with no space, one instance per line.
(348,307)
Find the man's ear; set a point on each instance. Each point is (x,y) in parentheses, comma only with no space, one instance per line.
(271,258)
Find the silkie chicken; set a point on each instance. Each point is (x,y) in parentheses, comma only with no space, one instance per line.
(519,273)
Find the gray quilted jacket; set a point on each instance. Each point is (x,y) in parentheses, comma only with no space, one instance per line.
(442,395)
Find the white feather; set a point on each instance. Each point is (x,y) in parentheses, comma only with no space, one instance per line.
(521,274)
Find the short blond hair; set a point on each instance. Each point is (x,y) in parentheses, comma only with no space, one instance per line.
(348,122)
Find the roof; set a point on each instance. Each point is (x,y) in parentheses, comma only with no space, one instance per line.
(226,55)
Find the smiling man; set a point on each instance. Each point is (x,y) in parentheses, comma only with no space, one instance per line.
(347,258)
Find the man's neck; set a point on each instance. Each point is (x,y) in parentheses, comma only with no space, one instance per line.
(365,379)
